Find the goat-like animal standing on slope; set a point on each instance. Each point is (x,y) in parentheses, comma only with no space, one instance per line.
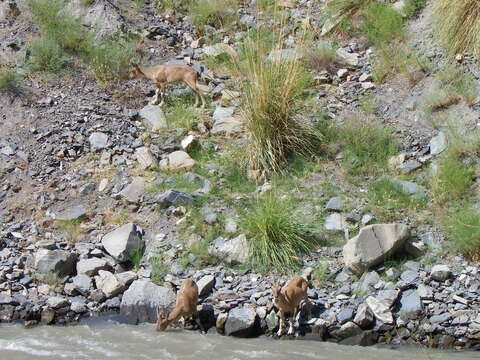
(186,305)
(288,299)
(162,75)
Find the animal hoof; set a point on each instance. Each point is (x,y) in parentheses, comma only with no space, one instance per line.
(279,333)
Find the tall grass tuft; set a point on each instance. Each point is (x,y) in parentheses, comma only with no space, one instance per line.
(274,239)
(272,94)
(46,55)
(458,24)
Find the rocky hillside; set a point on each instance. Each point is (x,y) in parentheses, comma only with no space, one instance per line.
(107,202)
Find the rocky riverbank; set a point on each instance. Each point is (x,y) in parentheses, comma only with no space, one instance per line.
(435,305)
(102,199)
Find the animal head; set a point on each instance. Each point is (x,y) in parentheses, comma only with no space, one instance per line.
(276,291)
(162,321)
(136,72)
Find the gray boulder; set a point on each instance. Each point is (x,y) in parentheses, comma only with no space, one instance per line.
(364,317)
(205,285)
(373,245)
(143,298)
(59,262)
(438,144)
(242,322)
(134,191)
(108,283)
(70,213)
(90,267)
(82,283)
(410,305)
(57,302)
(153,117)
(124,241)
(380,310)
(145,158)
(231,251)
(98,141)
(440,273)
(174,197)
(347,330)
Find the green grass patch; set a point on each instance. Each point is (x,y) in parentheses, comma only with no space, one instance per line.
(183,116)
(462,227)
(381,24)
(135,257)
(158,268)
(46,55)
(58,24)
(9,79)
(413,6)
(275,239)
(70,229)
(216,13)
(452,179)
(367,145)
(388,196)
(321,273)
(462,83)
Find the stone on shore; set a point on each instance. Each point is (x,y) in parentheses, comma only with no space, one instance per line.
(143,298)
(373,245)
(123,241)
(242,322)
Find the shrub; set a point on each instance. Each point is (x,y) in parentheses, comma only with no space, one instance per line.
(321,273)
(367,145)
(46,55)
(272,92)
(9,79)
(172,5)
(458,24)
(217,13)
(71,229)
(135,257)
(58,24)
(158,268)
(381,23)
(440,98)
(110,59)
(463,83)
(274,237)
(452,179)
(322,57)
(462,228)
(412,6)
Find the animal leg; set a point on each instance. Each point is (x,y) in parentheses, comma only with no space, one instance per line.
(163,94)
(155,99)
(293,318)
(192,84)
(281,323)
(196,317)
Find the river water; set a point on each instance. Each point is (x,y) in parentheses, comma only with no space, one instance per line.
(112,341)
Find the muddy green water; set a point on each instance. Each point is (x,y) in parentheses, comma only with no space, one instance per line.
(112,341)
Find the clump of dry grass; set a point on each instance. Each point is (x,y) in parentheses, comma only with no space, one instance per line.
(272,94)
(458,24)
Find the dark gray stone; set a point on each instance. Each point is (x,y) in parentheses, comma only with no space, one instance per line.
(174,198)
(58,262)
(242,322)
(123,241)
